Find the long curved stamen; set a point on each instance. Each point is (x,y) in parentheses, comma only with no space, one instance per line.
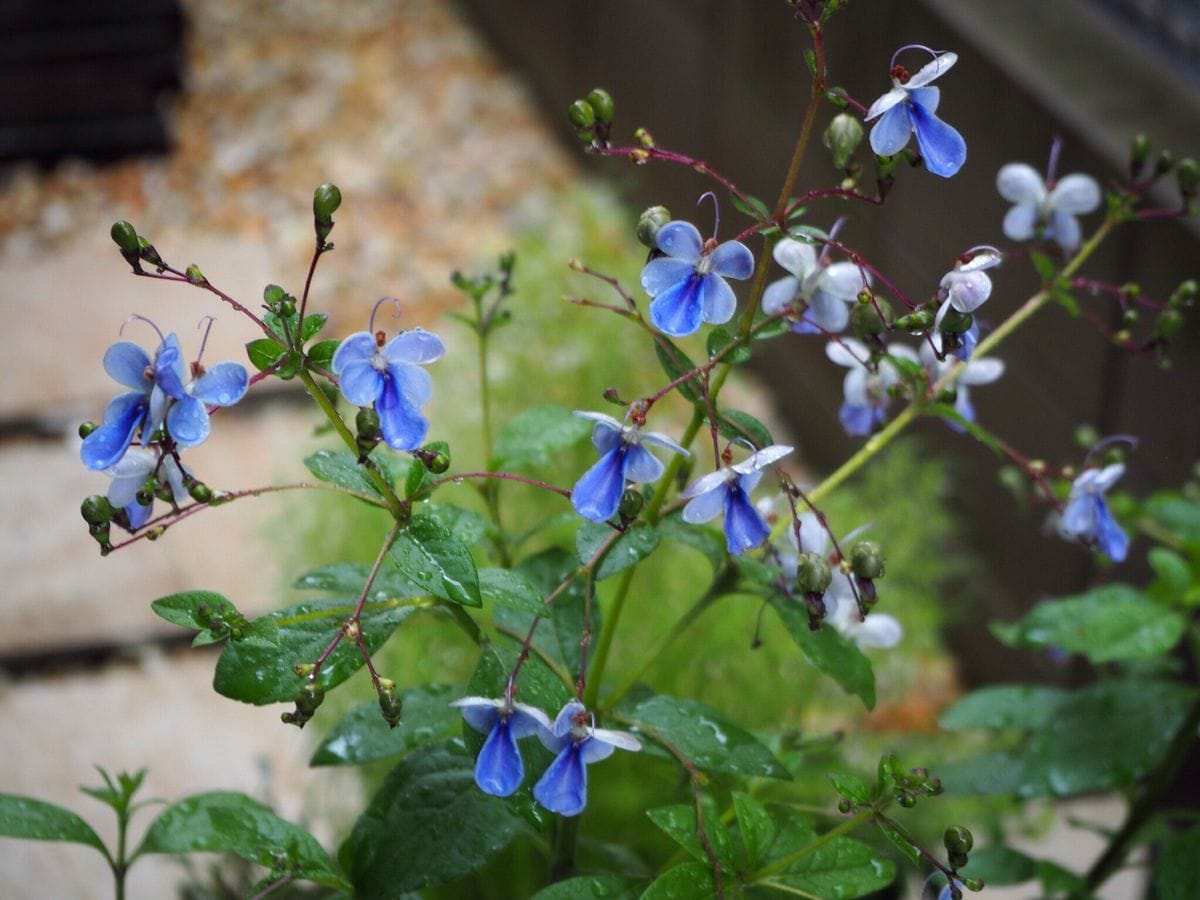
(375,309)
(207,323)
(1052,165)
(833,233)
(1108,441)
(934,53)
(716,211)
(141,318)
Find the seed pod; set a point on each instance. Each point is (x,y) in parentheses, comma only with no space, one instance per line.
(601,102)
(866,560)
(631,505)
(649,222)
(813,573)
(581,114)
(958,839)
(125,237)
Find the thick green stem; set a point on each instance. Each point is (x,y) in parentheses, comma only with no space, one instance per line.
(604,645)
(562,861)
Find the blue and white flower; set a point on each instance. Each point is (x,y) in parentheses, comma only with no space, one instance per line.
(132,471)
(187,416)
(866,390)
(129,365)
(499,770)
(728,491)
(965,288)
(1051,208)
(563,786)
(825,290)
(909,107)
(597,494)
(389,376)
(688,284)
(1086,517)
(974,372)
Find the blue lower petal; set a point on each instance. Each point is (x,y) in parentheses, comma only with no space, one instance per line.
(1111,538)
(498,769)
(942,148)
(857,420)
(677,311)
(137,514)
(361,383)
(597,493)
(563,787)
(108,443)
(402,425)
(187,422)
(744,527)
(169,370)
(892,131)
(224,384)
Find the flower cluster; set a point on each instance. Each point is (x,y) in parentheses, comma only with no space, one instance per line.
(573,737)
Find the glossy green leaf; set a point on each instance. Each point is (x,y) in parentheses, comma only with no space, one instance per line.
(639,541)
(321,353)
(851,787)
(313,323)
(689,881)
(259,673)
(1178,868)
(679,823)
(187,608)
(427,825)
(347,580)
(363,736)
(432,558)
(536,435)
(719,340)
(999,865)
(1174,585)
(1043,265)
(755,827)
(1022,706)
(706,540)
(703,736)
(37,820)
(839,868)
(833,654)
(900,841)
(1113,623)
(341,468)
(750,206)
(511,589)
(465,524)
(1177,514)
(263,353)
(735,424)
(677,364)
(1057,880)
(229,822)
(592,887)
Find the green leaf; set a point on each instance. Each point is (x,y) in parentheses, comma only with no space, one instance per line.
(341,468)
(750,206)
(1043,265)
(37,820)
(999,865)
(689,881)
(276,324)
(974,429)
(263,353)
(592,887)
(1113,623)
(1063,298)
(900,841)
(313,323)
(755,827)
(993,772)
(734,424)
(639,541)
(347,579)
(677,364)
(1023,706)
(363,736)
(718,340)
(188,607)
(679,823)
(842,867)
(558,638)
(260,673)
(833,654)
(851,787)
(1055,879)
(704,737)
(428,825)
(707,540)
(1178,515)
(535,435)
(431,557)
(229,822)
(1174,585)
(465,524)
(511,589)
(1178,873)
(321,353)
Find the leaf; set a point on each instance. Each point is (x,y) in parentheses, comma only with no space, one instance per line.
(704,737)
(1178,874)
(431,557)
(1178,515)
(347,579)
(1023,706)
(313,323)
(321,353)
(679,823)
(511,589)
(1043,265)
(264,353)
(1174,585)
(465,524)
(750,206)
(591,887)
(363,736)
(851,787)
(341,468)
(639,541)
(993,772)
(534,436)
(276,324)
(841,867)
(900,841)
(999,865)
(677,364)
(718,340)
(1113,623)
(427,825)
(689,881)
(229,822)
(188,608)
(833,654)
(708,541)
(734,424)
(755,827)
(258,673)
(37,820)
(974,429)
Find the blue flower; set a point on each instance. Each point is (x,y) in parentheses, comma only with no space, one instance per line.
(826,291)
(965,288)
(597,494)
(688,284)
(1086,516)
(498,768)
(976,371)
(1054,209)
(187,417)
(130,365)
(728,490)
(132,471)
(866,390)
(389,376)
(909,107)
(563,786)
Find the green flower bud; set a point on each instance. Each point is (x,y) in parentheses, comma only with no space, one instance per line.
(147,252)
(916,322)
(1129,317)
(367,424)
(601,103)
(958,860)
(389,704)
(631,504)
(326,199)
(126,237)
(203,614)
(1139,152)
(1164,163)
(200,492)
(813,573)
(582,115)
(973,884)
(310,697)
(842,137)
(866,321)
(1187,174)
(1086,436)
(86,428)
(101,535)
(1168,324)
(96,510)
(436,461)
(649,222)
(303,670)
(866,560)
(955,322)
(844,805)
(905,799)
(194,275)
(958,839)
(1186,292)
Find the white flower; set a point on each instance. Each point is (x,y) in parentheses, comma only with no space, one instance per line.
(1055,210)
(825,290)
(866,391)
(976,371)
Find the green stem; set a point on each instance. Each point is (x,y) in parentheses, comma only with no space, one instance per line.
(780,864)
(668,478)
(607,632)
(562,862)
(120,866)
(485,398)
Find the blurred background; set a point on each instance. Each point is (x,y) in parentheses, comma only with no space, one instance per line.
(208,125)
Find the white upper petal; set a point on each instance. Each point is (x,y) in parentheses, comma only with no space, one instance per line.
(935,68)
(796,257)
(780,294)
(847,352)
(886,102)
(1019,222)
(1107,477)
(762,458)
(843,279)
(981,371)
(706,483)
(1020,183)
(1075,194)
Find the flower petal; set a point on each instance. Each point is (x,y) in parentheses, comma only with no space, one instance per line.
(744,527)
(935,68)
(108,443)
(563,787)
(662,274)
(830,313)
(848,352)
(401,423)
(1113,541)
(797,257)
(1076,194)
(879,631)
(1108,476)
(780,295)
(187,422)
(126,364)
(892,132)
(967,291)
(498,769)
(707,505)
(1020,183)
(642,466)
(677,311)
(981,371)
(679,240)
(128,474)
(481,713)
(416,347)
(169,370)
(223,385)
(659,439)
(412,381)
(762,458)
(717,300)
(843,280)
(526,720)
(856,420)
(1063,228)
(360,382)
(358,348)
(942,148)
(1079,516)
(733,259)
(1019,222)
(622,740)
(886,102)
(597,493)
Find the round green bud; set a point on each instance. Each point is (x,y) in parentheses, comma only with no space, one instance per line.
(1129,317)
(866,560)
(125,237)
(958,839)
(303,670)
(1187,173)
(844,805)
(581,114)
(813,573)
(86,428)
(958,860)
(1164,163)
(96,510)
(1187,290)
(389,704)
(326,199)
(955,322)
(287,308)
(194,275)
(905,799)
(1086,436)
(437,462)
(200,492)
(147,252)
(1168,324)
(1139,151)
(915,322)
(366,421)
(649,222)
(865,320)
(601,102)
(842,137)
(310,697)
(203,614)
(631,504)
(973,884)
(218,626)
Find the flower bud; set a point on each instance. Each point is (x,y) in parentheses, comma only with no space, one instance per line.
(1129,317)
(1139,152)
(973,884)
(326,199)
(644,137)
(194,275)
(866,320)
(437,461)
(200,492)
(813,573)
(631,504)
(310,697)
(905,799)
(844,805)
(958,860)
(367,424)
(389,704)
(955,322)
(1168,324)
(1185,293)
(126,237)
(96,510)
(958,839)
(1164,163)
(649,222)
(582,115)
(86,428)
(842,137)
(866,560)
(147,252)
(915,322)
(303,670)
(1187,174)
(601,102)
(101,534)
